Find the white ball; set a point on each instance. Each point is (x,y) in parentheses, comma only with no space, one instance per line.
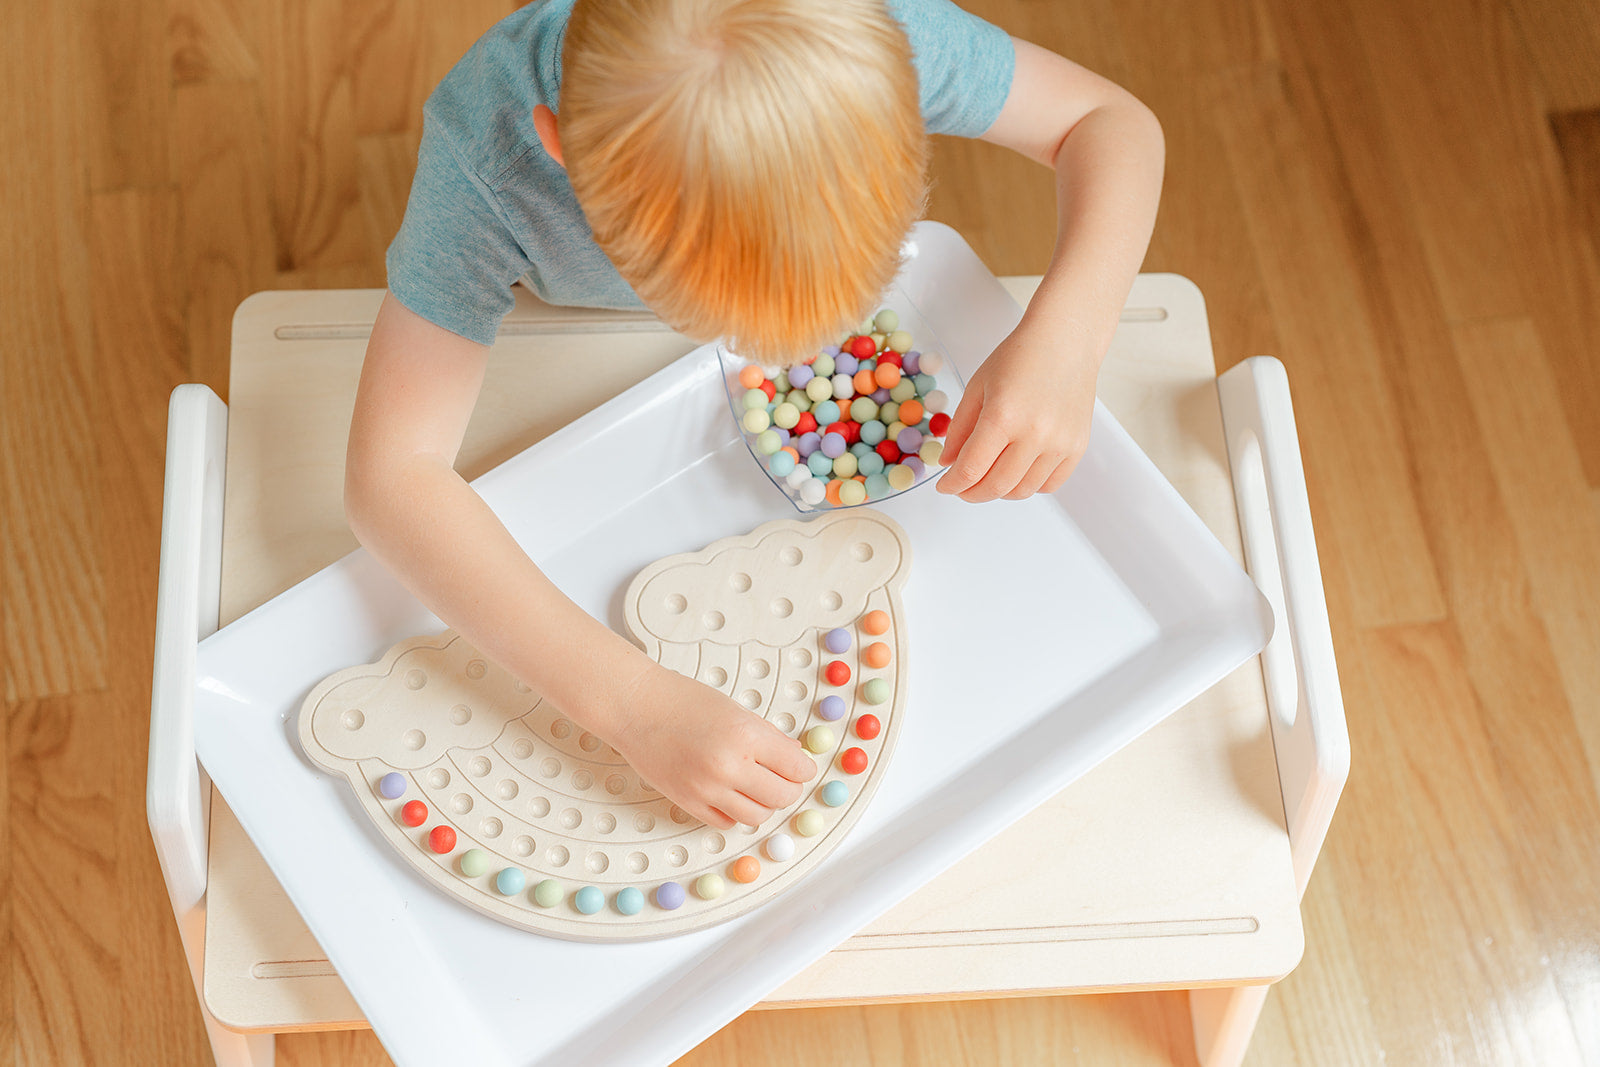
(799,476)
(930,363)
(779,847)
(813,492)
(843,387)
(936,401)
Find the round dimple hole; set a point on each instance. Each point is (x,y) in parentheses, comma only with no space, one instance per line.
(590,743)
(638,862)
(557,855)
(477,669)
(550,767)
(758,668)
(414,739)
(460,715)
(480,766)
(605,822)
(677,855)
(861,552)
(748,830)
(522,845)
(750,699)
(539,806)
(353,719)
(644,822)
(795,691)
(522,748)
(616,785)
(561,729)
(416,679)
(740,582)
(800,657)
(438,778)
(571,818)
(713,842)
(582,780)
(713,620)
(506,790)
(832,601)
(679,815)
(461,803)
(784,722)
(596,863)
(491,827)
(716,677)
(676,604)
(791,556)
(783,607)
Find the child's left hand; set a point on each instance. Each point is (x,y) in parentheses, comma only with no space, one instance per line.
(1023,423)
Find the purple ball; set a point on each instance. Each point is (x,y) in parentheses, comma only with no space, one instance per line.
(915,463)
(833,445)
(670,896)
(831,708)
(879,396)
(836,640)
(800,375)
(809,442)
(391,785)
(783,436)
(845,363)
(911,363)
(909,439)
(832,351)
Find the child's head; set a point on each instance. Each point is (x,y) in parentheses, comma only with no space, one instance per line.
(751,167)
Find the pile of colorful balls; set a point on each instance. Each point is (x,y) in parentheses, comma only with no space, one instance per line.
(855,423)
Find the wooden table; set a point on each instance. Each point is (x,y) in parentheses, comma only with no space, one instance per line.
(1168,866)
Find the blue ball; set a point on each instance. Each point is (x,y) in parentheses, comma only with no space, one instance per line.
(819,462)
(873,431)
(826,413)
(630,901)
(877,485)
(835,793)
(510,881)
(588,900)
(780,464)
(870,464)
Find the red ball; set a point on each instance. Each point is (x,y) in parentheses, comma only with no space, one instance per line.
(767,387)
(837,673)
(807,424)
(415,813)
(893,357)
(868,727)
(889,451)
(852,431)
(938,424)
(838,428)
(863,348)
(442,839)
(853,761)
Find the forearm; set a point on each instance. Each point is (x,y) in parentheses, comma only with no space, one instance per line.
(1108,185)
(415,513)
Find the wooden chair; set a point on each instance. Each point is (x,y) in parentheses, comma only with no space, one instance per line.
(1265,754)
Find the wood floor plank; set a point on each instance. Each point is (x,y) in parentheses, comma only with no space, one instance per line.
(1563,40)
(125,48)
(1578,141)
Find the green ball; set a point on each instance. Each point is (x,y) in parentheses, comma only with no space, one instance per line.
(876,691)
(547,894)
(474,861)
(886,321)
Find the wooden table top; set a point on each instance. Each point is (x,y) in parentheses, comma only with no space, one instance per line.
(1166,866)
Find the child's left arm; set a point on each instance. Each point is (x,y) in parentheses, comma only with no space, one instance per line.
(1024,421)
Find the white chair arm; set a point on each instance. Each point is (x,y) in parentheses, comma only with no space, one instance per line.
(188,596)
(1307,709)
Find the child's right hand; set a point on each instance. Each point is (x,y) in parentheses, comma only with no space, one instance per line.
(709,755)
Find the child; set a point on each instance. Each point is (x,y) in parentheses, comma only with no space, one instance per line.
(744,168)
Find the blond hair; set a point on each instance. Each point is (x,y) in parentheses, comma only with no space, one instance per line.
(750,167)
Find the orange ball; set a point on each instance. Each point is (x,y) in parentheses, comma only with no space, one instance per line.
(793,452)
(887,376)
(832,495)
(876,655)
(750,376)
(864,383)
(875,622)
(911,412)
(745,869)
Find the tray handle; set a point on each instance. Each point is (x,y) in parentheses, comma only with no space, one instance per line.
(1303,696)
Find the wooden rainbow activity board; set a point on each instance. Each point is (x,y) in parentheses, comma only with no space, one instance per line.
(488,791)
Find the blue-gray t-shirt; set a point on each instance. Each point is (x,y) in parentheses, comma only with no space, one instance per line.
(489,206)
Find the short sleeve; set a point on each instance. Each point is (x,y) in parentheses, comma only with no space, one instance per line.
(454,260)
(964,65)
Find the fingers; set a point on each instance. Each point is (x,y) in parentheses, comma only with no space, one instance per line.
(976,457)
(1058,477)
(1041,471)
(1009,468)
(768,789)
(783,756)
(741,809)
(961,424)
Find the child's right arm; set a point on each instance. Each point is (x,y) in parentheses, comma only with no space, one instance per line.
(410,509)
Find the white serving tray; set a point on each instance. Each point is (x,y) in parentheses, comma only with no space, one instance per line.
(1044,636)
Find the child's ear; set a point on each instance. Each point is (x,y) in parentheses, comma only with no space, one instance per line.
(544,123)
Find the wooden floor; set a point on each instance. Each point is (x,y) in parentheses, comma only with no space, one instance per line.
(1400,198)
